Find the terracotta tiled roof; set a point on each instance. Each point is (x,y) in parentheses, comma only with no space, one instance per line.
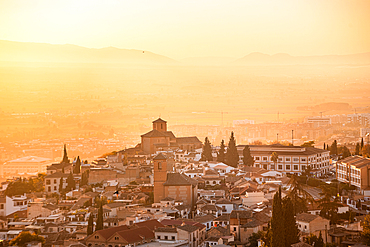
(305,217)
(160,156)
(223,201)
(159,120)
(57,175)
(185,140)
(188,228)
(204,218)
(151,224)
(242,214)
(136,235)
(166,229)
(179,179)
(107,233)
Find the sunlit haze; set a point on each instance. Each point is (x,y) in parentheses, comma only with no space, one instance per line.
(181,29)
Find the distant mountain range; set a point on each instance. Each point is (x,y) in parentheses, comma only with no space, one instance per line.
(40,52)
(11,51)
(257,58)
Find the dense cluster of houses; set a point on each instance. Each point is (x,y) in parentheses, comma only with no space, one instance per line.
(169,198)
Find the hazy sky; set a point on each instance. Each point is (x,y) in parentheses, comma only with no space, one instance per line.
(180,29)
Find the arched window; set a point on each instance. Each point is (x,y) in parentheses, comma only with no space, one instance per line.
(159,165)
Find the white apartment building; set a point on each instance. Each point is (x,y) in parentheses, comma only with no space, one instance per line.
(291,159)
(354,171)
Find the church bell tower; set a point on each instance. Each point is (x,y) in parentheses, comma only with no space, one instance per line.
(160,176)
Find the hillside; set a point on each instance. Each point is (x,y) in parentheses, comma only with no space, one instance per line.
(11,51)
(257,58)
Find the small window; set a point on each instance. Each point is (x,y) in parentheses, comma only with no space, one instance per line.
(295,167)
(264,158)
(280,167)
(287,167)
(158,237)
(159,165)
(257,158)
(96,237)
(173,237)
(165,237)
(287,159)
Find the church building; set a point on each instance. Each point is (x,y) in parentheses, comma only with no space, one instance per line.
(159,138)
(170,184)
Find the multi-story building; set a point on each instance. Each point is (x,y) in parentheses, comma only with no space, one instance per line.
(354,170)
(52,182)
(26,166)
(291,159)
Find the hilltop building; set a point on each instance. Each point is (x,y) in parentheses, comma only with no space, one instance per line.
(159,138)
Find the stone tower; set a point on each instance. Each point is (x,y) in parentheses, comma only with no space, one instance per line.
(160,125)
(160,176)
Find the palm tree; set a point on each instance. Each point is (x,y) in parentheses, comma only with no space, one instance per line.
(298,195)
(274,158)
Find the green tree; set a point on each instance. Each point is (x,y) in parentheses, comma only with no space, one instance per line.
(90,225)
(232,156)
(307,171)
(221,152)
(26,237)
(65,155)
(207,150)
(329,206)
(274,158)
(308,144)
(319,242)
(311,239)
(84,178)
(277,222)
(345,152)
(334,148)
(99,220)
(253,239)
(290,226)
(61,181)
(362,142)
(366,230)
(357,151)
(71,184)
(77,167)
(324,146)
(248,160)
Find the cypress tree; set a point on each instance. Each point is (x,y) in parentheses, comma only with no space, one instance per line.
(327,147)
(232,157)
(290,226)
(277,222)
(357,151)
(319,242)
(99,220)
(247,157)
(61,185)
(334,148)
(84,178)
(90,225)
(77,168)
(362,143)
(221,152)
(71,184)
(324,145)
(65,155)
(207,150)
